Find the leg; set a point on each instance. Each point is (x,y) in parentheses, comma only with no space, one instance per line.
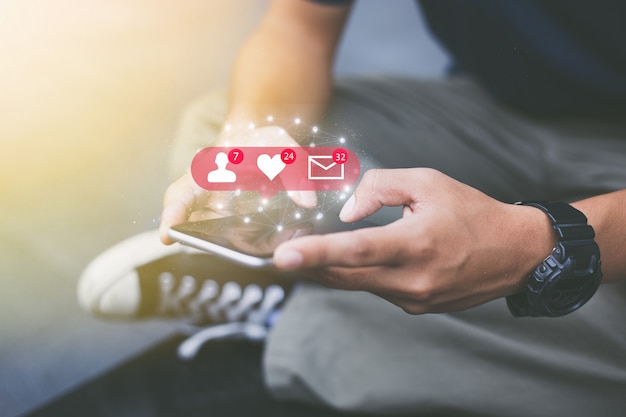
(357,352)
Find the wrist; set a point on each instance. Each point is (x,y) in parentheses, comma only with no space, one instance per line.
(536,239)
(604,213)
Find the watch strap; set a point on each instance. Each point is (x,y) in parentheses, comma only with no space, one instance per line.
(568,222)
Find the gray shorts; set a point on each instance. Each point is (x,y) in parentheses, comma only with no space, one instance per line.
(354,351)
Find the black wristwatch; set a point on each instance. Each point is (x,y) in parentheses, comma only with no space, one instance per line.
(569,277)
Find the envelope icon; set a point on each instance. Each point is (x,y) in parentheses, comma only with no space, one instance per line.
(322,167)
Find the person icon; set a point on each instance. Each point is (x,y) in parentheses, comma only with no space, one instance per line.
(221,174)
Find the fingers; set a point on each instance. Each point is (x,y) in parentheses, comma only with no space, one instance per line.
(364,247)
(242,135)
(387,282)
(305,199)
(378,188)
(279,137)
(180,199)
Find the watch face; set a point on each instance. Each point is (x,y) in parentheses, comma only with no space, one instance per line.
(566,289)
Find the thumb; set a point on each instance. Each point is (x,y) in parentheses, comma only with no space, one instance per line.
(378,188)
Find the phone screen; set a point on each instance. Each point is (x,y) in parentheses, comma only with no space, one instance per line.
(251,238)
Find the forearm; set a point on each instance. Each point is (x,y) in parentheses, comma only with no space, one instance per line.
(285,68)
(607,214)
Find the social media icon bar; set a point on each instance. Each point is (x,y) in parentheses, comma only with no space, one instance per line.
(272,169)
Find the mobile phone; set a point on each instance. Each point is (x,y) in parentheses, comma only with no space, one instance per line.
(250,239)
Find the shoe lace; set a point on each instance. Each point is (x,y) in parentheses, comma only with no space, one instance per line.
(231,303)
(235,311)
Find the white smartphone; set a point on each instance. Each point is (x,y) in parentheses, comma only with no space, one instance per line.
(250,239)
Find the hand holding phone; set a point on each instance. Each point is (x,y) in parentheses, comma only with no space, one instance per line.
(250,239)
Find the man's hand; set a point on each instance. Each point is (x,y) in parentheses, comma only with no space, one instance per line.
(184,200)
(454,247)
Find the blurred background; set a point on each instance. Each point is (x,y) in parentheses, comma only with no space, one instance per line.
(90,92)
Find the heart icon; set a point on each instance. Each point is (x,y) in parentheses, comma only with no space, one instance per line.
(270,166)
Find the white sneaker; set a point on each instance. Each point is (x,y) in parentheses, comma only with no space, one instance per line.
(140,277)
